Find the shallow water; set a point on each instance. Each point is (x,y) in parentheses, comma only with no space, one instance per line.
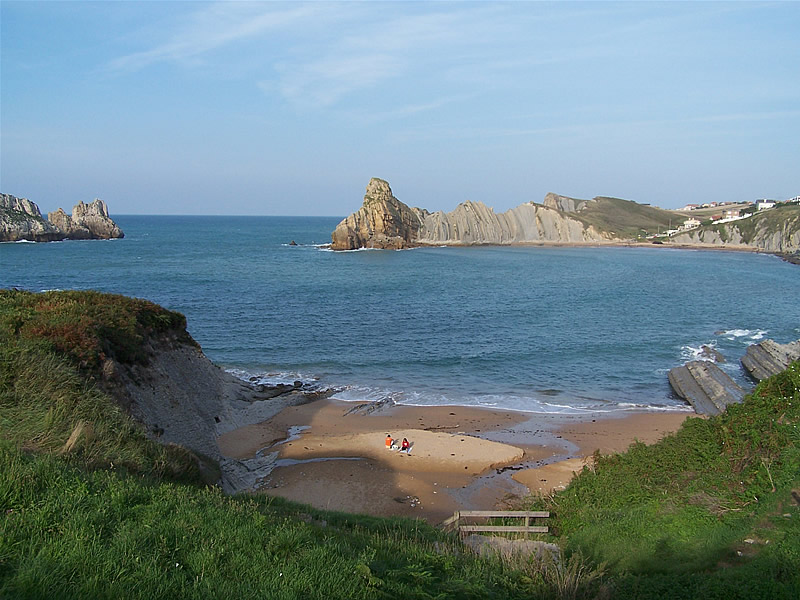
(527,328)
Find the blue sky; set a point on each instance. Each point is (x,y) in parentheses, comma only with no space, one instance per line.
(289,108)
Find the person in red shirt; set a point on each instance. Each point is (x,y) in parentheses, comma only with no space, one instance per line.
(405,446)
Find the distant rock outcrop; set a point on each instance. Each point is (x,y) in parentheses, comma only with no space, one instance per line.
(564,203)
(20,219)
(705,386)
(383,221)
(769,358)
(88,222)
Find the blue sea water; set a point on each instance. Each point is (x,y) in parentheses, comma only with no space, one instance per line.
(554,329)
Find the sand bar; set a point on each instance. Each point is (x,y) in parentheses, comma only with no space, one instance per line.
(461,457)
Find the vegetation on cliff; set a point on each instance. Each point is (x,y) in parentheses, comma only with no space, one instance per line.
(772,230)
(93,508)
(625,219)
(712,510)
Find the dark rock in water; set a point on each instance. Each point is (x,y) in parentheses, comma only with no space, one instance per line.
(769,358)
(711,353)
(705,386)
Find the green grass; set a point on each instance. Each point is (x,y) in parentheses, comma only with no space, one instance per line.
(680,509)
(71,534)
(626,219)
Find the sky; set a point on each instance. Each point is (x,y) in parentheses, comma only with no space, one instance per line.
(272,108)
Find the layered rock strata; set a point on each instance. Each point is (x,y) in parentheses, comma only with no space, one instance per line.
(769,358)
(383,221)
(21,219)
(705,386)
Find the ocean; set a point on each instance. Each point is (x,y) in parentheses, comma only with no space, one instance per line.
(544,329)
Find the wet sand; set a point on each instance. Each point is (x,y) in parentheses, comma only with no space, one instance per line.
(461,457)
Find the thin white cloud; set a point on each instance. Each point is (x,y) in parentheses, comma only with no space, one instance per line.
(321,83)
(428,133)
(212,28)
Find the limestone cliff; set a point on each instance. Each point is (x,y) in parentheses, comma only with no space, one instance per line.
(564,203)
(88,222)
(383,221)
(20,219)
(476,223)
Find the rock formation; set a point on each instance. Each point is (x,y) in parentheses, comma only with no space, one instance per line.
(705,386)
(564,203)
(20,219)
(383,221)
(769,358)
(88,222)
(182,398)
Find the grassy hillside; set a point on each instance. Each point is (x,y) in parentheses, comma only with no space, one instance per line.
(626,219)
(711,510)
(91,508)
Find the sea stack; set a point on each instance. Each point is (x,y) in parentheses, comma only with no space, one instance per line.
(21,219)
(88,222)
(381,222)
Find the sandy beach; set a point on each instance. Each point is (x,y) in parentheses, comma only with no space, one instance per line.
(332,454)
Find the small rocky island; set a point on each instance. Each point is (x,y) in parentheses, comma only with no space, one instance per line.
(21,219)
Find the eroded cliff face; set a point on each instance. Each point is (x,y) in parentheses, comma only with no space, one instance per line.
(383,221)
(20,219)
(476,223)
(181,397)
(564,203)
(88,222)
(758,232)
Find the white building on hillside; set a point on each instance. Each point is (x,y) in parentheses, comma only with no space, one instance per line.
(690,223)
(764,204)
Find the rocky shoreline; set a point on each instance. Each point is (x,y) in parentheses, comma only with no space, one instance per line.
(21,220)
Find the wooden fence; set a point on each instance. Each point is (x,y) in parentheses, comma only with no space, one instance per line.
(455,522)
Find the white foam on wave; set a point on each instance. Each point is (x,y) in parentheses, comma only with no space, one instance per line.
(700,352)
(274,378)
(327,248)
(517,403)
(743,334)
